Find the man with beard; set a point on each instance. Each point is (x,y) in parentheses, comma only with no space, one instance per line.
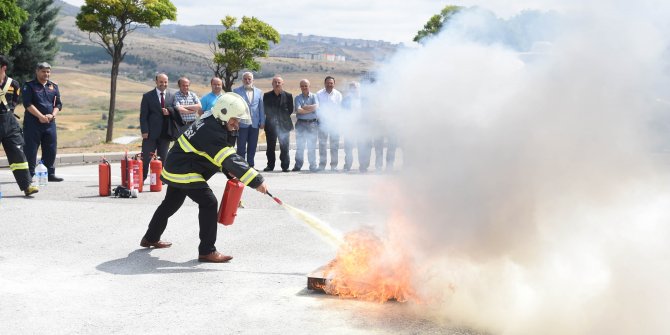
(247,139)
(156,113)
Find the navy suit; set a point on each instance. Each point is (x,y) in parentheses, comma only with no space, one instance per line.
(45,98)
(153,122)
(247,139)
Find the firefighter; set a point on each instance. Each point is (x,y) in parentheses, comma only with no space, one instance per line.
(11,135)
(201,151)
(41,99)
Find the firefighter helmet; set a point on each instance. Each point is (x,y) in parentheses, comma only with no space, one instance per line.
(231,105)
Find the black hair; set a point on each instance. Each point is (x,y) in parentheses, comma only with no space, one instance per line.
(3,61)
(329,77)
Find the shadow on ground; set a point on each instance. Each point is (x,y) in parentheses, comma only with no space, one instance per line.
(141,262)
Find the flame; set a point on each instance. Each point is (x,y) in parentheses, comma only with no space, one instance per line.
(367,268)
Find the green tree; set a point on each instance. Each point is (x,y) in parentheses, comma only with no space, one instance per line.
(38,44)
(111,21)
(11,18)
(239,46)
(436,22)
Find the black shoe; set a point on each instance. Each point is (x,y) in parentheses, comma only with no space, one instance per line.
(54,178)
(284,170)
(296,169)
(268,169)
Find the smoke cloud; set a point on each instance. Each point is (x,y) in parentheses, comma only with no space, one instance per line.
(533,194)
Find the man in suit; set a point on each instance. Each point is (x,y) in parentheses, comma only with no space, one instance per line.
(248,134)
(278,107)
(156,112)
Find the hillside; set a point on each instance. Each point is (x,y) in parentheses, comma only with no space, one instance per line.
(82,67)
(185,50)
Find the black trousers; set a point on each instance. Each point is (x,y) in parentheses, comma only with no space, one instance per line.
(36,134)
(149,146)
(174,198)
(11,137)
(272,132)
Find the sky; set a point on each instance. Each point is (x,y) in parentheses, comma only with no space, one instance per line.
(389,20)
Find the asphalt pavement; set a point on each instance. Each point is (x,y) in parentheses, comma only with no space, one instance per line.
(70,262)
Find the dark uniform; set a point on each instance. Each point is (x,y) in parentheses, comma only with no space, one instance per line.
(11,134)
(201,151)
(44,98)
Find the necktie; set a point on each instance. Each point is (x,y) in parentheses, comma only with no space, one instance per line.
(162,100)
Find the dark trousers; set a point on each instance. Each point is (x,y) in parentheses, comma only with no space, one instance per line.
(207,216)
(247,141)
(36,134)
(11,138)
(324,135)
(271,134)
(149,146)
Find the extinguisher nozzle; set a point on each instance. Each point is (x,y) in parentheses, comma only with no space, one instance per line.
(275,198)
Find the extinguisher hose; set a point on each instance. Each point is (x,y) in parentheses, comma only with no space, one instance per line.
(274,198)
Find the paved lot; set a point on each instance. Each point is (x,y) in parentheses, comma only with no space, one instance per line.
(70,262)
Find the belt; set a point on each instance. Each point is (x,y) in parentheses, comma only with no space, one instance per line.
(188,123)
(312,120)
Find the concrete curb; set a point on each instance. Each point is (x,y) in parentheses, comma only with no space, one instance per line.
(94,157)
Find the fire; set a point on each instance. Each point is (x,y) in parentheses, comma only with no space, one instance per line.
(367,268)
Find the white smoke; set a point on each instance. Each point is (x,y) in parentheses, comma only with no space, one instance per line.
(531,176)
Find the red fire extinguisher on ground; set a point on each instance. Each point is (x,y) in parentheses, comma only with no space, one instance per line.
(125,171)
(138,183)
(231,199)
(104,178)
(155,168)
(131,172)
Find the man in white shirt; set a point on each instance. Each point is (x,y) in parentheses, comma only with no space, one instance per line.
(330,101)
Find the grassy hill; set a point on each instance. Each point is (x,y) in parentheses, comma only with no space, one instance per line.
(82,68)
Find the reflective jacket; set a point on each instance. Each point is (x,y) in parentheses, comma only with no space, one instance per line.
(201,151)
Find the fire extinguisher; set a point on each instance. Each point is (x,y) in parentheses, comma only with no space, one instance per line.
(138,172)
(104,178)
(156,166)
(231,199)
(125,162)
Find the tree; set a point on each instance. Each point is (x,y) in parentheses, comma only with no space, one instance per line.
(11,18)
(436,22)
(239,46)
(112,21)
(38,44)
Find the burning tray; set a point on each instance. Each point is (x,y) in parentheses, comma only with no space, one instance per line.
(317,280)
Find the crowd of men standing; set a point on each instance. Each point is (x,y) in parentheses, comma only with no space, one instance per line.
(323,119)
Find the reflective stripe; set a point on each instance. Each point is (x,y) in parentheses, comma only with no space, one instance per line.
(249,176)
(223,154)
(182,178)
(4,90)
(19,166)
(187,147)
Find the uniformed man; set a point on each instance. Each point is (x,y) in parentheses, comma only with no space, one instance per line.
(201,151)
(41,99)
(10,132)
